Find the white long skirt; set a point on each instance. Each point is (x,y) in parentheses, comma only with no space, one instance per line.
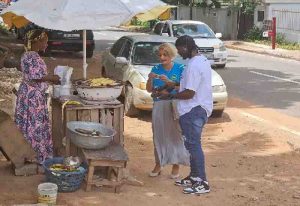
(168,142)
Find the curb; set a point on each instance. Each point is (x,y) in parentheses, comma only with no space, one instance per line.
(261,52)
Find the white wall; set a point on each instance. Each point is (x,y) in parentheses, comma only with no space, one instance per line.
(219,20)
(288,22)
(257,23)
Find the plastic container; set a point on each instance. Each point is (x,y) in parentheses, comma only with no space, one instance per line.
(61,90)
(47,193)
(65,90)
(56,91)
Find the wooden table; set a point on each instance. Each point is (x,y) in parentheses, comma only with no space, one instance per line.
(109,115)
(114,157)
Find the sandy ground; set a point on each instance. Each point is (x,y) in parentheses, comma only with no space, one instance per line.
(249,161)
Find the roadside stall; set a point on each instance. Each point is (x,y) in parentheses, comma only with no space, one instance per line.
(79,121)
(90,126)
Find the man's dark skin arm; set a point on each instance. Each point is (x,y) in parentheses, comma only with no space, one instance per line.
(184,95)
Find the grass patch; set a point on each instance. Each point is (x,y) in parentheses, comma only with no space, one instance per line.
(282,45)
(255,35)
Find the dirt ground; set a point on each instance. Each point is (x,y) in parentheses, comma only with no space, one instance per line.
(250,160)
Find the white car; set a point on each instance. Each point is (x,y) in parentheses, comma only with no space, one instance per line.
(131,59)
(208,42)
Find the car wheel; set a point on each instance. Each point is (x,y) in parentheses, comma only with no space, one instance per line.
(89,53)
(129,108)
(222,66)
(217,113)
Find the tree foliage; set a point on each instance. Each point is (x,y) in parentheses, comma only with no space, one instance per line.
(246,6)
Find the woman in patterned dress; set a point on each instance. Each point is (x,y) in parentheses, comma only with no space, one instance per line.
(168,142)
(31,113)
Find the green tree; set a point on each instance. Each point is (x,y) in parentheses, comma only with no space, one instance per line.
(245,6)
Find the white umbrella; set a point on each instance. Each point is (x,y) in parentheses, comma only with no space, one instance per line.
(68,15)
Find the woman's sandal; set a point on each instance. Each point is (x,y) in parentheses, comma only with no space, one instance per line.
(154,174)
(174,176)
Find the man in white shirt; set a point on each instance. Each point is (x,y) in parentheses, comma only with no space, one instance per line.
(194,106)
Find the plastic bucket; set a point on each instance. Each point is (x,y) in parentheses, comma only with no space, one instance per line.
(65,90)
(56,91)
(47,193)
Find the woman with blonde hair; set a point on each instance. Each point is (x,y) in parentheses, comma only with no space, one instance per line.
(168,142)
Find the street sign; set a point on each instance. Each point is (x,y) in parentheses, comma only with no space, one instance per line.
(265,34)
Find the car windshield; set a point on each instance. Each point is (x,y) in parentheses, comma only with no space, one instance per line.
(194,30)
(145,53)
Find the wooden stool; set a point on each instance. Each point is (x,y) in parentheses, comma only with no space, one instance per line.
(114,157)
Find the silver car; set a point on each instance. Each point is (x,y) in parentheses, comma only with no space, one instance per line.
(131,59)
(208,42)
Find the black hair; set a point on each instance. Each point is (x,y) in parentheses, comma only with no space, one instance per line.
(187,42)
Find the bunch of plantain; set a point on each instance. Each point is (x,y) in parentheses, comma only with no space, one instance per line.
(101,82)
(61,168)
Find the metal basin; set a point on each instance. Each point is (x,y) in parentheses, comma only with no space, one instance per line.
(88,141)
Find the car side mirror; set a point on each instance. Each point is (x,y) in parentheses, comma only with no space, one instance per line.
(165,34)
(219,35)
(121,60)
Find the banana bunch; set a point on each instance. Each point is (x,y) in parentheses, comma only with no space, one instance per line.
(70,102)
(61,168)
(101,82)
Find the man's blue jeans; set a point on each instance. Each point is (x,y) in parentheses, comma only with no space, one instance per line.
(191,125)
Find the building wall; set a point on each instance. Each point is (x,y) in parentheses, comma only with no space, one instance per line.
(219,20)
(288,19)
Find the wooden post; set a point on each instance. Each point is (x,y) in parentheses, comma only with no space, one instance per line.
(191,9)
(273,33)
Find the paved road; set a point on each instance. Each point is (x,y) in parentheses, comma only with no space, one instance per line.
(270,82)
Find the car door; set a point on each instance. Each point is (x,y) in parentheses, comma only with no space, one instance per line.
(111,58)
(166,31)
(121,70)
(158,28)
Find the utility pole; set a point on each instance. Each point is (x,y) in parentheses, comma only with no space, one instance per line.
(233,27)
(191,9)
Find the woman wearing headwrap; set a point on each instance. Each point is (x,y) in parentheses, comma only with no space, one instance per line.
(31,113)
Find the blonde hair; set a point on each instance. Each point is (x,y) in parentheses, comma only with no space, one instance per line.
(169,48)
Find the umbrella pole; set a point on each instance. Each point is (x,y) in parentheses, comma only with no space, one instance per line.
(84,54)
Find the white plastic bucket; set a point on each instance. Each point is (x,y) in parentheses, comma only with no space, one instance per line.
(61,90)
(47,193)
(65,90)
(56,91)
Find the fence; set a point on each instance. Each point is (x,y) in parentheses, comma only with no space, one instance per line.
(287,20)
(288,23)
(220,20)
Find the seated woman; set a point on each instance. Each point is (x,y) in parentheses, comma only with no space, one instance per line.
(168,143)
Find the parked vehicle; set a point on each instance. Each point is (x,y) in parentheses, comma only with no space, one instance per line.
(131,59)
(208,42)
(63,40)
